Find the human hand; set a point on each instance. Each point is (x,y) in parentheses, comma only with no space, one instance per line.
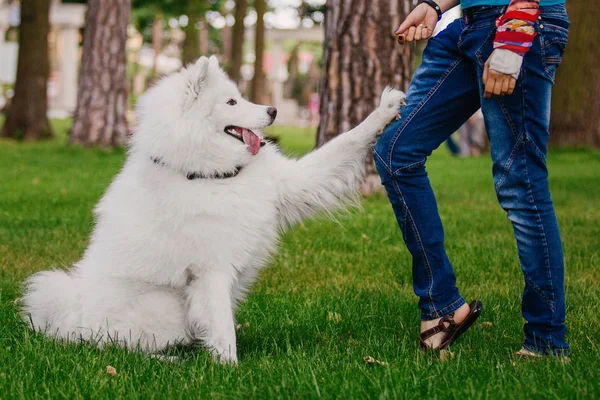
(418,25)
(496,83)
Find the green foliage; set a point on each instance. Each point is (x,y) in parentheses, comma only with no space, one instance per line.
(358,268)
(144,11)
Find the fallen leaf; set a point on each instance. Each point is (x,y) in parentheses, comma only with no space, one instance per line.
(333,316)
(111,370)
(487,324)
(446,355)
(364,236)
(370,360)
(240,326)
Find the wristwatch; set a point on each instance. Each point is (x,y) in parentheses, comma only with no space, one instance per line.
(435,6)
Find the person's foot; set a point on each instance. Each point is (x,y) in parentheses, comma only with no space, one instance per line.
(525,354)
(435,341)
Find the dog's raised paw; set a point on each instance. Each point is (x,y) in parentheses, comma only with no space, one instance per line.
(390,102)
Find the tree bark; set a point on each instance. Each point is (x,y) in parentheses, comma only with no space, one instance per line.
(575,118)
(27,115)
(237,40)
(226,42)
(204,37)
(102,89)
(360,58)
(258,82)
(157,31)
(293,72)
(196,10)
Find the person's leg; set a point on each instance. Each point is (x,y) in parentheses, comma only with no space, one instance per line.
(442,95)
(518,128)
(465,145)
(452,146)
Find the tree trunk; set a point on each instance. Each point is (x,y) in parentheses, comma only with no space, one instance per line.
(26,117)
(102,89)
(237,40)
(258,82)
(293,72)
(204,38)
(157,31)
(575,98)
(226,42)
(191,45)
(360,58)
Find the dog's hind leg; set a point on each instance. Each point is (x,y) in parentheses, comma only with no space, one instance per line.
(210,312)
(331,174)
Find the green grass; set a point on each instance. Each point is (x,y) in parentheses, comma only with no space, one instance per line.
(358,268)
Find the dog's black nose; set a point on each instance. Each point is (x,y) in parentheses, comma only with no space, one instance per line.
(272,111)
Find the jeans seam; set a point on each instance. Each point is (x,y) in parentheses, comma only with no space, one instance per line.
(409,217)
(535,147)
(410,166)
(508,164)
(411,116)
(487,39)
(405,212)
(443,312)
(512,126)
(548,270)
(387,168)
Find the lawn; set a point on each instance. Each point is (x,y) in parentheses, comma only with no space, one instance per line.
(335,293)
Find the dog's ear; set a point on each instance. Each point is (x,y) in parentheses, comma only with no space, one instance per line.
(214,63)
(196,80)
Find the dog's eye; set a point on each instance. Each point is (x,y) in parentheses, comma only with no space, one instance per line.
(232,102)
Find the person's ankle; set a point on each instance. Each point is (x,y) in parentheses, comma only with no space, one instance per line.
(459,316)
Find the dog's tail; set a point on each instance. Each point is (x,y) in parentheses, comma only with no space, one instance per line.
(50,303)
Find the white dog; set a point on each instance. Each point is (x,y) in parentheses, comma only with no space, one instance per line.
(185,227)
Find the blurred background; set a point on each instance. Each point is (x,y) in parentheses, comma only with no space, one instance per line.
(322,64)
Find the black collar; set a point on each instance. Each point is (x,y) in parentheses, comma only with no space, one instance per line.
(199,175)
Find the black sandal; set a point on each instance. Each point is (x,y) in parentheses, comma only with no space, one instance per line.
(451,328)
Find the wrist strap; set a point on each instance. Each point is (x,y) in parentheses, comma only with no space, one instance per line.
(434,5)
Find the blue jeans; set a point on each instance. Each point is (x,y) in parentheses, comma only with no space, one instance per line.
(445,91)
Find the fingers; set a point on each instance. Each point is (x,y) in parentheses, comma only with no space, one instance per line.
(511,85)
(422,32)
(486,69)
(410,34)
(496,83)
(427,32)
(498,87)
(408,22)
(413,33)
(505,85)
(489,88)
(419,32)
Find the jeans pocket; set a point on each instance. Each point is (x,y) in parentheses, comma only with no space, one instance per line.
(554,33)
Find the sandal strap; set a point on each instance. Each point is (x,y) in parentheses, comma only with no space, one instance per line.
(446,324)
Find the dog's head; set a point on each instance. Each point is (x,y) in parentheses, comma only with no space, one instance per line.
(197,121)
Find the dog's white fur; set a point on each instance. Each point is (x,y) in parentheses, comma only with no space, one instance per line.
(170,258)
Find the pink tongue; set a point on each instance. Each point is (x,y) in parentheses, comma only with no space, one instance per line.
(251,140)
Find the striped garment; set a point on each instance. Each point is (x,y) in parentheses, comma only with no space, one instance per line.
(516,27)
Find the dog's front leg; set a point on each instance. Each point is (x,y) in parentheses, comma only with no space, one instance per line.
(210,313)
(329,175)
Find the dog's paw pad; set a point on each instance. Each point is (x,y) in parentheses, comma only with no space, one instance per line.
(391,99)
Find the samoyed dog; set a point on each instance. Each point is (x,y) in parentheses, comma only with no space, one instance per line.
(185,227)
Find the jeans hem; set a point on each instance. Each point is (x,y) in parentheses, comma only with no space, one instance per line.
(439,313)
